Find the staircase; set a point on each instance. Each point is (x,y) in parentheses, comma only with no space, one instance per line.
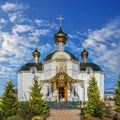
(64,111)
(64,115)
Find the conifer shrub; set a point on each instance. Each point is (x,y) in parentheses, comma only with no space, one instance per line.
(93,98)
(101,110)
(95,106)
(36,101)
(26,112)
(9,103)
(117,96)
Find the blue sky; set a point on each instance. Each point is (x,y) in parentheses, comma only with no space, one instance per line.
(92,24)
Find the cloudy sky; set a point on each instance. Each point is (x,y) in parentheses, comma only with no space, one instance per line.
(94,25)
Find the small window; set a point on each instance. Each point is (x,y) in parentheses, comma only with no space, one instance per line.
(75,91)
(33,70)
(48,91)
(88,71)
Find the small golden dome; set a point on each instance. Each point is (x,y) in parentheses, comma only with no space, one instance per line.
(36,54)
(84,54)
(60,36)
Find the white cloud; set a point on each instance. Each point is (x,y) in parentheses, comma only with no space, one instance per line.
(12,7)
(46,23)
(104,46)
(73,47)
(43,49)
(15,16)
(39,22)
(3,21)
(22,28)
(14,11)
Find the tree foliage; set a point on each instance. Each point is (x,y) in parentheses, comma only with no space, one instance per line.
(93,97)
(26,112)
(36,99)
(117,96)
(9,102)
(95,106)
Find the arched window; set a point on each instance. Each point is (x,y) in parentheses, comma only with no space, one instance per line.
(88,70)
(75,91)
(48,91)
(33,70)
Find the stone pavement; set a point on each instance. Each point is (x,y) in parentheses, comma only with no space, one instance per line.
(64,115)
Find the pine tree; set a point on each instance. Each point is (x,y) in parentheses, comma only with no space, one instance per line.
(93,98)
(36,101)
(117,96)
(9,103)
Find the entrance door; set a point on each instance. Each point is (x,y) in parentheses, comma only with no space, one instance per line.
(61,94)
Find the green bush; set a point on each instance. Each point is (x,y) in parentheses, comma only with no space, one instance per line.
(9,104)
(100,110)
(26,112)
(37,117)
(117,96)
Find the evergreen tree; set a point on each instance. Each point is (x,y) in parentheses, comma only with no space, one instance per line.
(93,98)
(9,103)
(117,96)
(36,101)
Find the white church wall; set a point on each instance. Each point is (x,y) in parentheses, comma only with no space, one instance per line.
(20,86)
(26,81)
(99,76)
(69,68)
(73,69)
(49,69)
(100,81)
(80,91)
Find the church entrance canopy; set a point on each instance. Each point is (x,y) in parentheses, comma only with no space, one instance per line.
(61,82)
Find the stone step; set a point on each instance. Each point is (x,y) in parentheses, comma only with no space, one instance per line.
(62,106)
(64,115)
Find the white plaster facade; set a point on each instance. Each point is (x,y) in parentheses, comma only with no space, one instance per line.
(49,69)
(55,63)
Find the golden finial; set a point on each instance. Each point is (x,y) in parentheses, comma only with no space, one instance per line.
(60,20)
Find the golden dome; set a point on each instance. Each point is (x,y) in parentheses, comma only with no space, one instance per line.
(36,54)
(60,36)
(84,54)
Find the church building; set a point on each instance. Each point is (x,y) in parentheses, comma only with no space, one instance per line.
(62,76)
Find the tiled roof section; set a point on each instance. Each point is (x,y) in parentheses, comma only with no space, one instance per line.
(49,56)
(27,66)
(94,66)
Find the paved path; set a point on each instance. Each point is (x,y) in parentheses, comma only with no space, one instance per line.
(64,115)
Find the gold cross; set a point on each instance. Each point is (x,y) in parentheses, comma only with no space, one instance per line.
(60,19)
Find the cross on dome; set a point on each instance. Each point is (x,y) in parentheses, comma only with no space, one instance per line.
(60,20)
(36,43)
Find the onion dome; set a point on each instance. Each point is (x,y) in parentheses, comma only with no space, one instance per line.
(36,55)
(84,55)
(60,36)
(49,56)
